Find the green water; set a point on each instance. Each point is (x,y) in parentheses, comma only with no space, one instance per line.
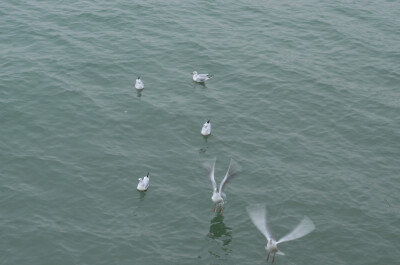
(305,99)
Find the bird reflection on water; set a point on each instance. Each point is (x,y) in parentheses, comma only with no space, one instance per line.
(142,195)
(220,233)
(195,84)
(204,149)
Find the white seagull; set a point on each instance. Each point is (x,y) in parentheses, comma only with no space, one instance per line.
(218,194)
(206,130)
(143,184)
(139,83)
(258,215)
(200,78)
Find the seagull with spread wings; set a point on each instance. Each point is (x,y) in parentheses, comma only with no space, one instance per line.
(218,196)
(258,214)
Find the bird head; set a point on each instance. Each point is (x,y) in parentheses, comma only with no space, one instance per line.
(140,179)
(194,73)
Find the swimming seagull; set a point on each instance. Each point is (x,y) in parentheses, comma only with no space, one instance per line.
(200,78)
(258,215)
(206,130)
(143,184)
(218,194)
(139,83)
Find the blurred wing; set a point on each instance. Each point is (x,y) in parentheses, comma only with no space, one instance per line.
(258,214)
(280,253)
(306,226)
(214,184)
(232,170)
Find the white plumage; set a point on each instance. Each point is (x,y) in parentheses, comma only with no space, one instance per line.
(218,195)
(200,78)
(144,183)
(258,214)
(139,83)
(206,130)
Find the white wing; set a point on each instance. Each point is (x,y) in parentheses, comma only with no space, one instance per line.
(139,84)
(232,170)
(214,184)
(306,226)
(146,181)
(258,214)
(203,77)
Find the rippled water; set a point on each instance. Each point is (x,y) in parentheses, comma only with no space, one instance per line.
(305,99)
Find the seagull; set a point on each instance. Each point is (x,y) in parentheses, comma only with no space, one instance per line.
(200,78)
(218,194)
(258,215)
(206,130)
(139,83)
(143,184)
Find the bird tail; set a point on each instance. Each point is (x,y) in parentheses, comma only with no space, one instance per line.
(210,76)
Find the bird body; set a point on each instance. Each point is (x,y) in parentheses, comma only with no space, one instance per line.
(200,78)
(258,215)
(139,83)
(218,195)
(144,183)
(206,130)
(271,246)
